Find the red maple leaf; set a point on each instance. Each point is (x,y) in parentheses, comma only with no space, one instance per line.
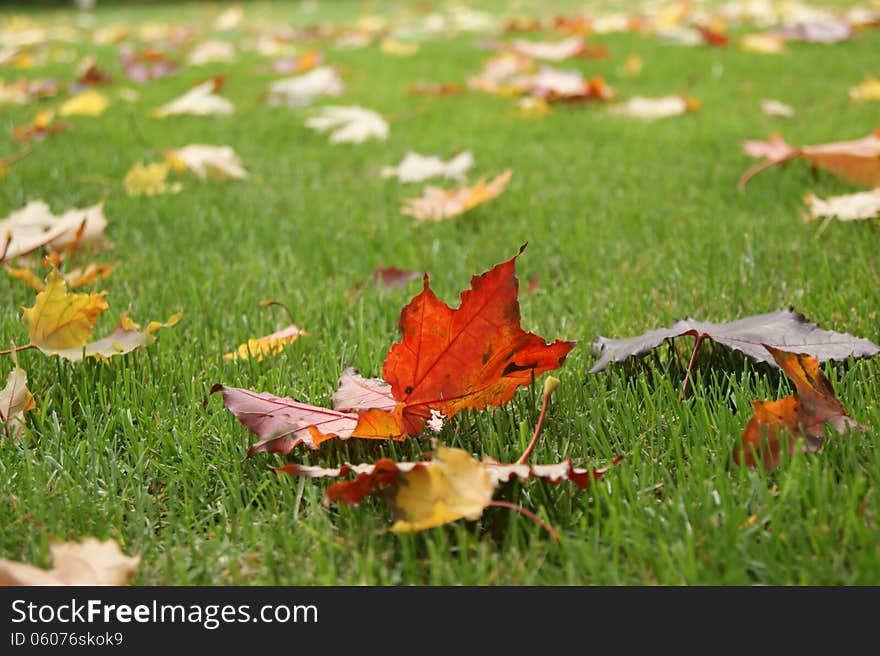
(473,356)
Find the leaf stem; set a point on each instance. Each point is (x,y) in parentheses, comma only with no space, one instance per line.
(549,385)
(281,305)
(762,166)
(528,513)
(687,374)
(16,349)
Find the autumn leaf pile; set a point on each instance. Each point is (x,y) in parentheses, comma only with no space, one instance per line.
(453,365)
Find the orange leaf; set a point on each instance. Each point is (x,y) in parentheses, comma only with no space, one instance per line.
(803,414)
(855,161)
(472,357)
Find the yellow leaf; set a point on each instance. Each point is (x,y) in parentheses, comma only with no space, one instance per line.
(399,48)
(87,103)
(28,277)
(438,204)
(79,277)
(266,346)
(59,320)
(867,91)
(454,486)
(149,180)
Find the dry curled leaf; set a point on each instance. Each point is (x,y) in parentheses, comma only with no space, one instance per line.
(451,486)
(219,162)
(302,90)
(573,46)
(855,161)
(35,226)
(15,400)
(439,204)
(201,100)
(802,415)
(349,124)
(266,346)
(418,168)
(846,207)
(651,109)
(126,337)
(784,329)
(90,562)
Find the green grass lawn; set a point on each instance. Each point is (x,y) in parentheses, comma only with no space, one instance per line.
(630,225)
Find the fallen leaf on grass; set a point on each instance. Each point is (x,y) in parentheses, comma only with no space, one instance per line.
(784,329)
(282,423)
(417,168)
(201,100)
(434,89)
(34,226)
(651,109)
(86,103)
(146,65)
(398,48)
(220,162)
(856,161)
(15,400)
(349,124)
(804,414)
(59,320)
(449,360)
(439,204)
(150,180)
(451,486)
(125,338)
(304,89)
(60,323)
(392,277)
(209,52)
(847,207)
(91,562)
(765,43)
(817,31)
(41,127)
(473,356)
(573,46)
(554,84)
(533,107)
(266,346)
(775,108)
(867,91)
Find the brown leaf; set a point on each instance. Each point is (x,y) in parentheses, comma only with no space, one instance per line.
(125,338)
(804,414)
(15,400)
(90,562)
(855,161)
(784,329)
